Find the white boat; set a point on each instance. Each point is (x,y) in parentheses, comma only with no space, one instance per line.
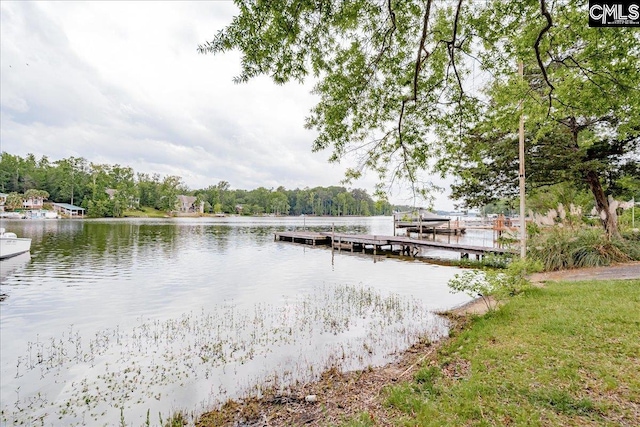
(12,245)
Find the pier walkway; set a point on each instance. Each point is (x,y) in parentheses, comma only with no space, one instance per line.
(362,242)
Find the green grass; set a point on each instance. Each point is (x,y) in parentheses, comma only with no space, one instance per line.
(567,354)
(361,420)
(145,212)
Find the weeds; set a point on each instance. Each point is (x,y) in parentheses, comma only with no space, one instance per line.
(264,348)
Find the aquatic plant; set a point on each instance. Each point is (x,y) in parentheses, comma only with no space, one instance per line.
(230,351)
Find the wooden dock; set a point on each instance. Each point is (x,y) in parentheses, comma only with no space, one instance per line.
(404,245)
(421,228)
(426,230)
(305,237)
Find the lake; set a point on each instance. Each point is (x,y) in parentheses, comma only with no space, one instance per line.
(110,320)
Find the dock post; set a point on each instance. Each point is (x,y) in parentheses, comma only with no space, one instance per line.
(333,236)
(394,224)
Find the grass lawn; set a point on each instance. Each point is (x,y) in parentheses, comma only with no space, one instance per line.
(145,212)
(564,355)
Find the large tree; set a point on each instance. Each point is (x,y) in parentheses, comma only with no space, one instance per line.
(487,164)
(402,83)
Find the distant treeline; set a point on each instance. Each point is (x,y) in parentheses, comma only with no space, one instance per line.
(110,190)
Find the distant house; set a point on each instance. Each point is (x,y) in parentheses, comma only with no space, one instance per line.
(187,204)
(132,203)
(33,202)
(69,210)
(3,200)
(111,192)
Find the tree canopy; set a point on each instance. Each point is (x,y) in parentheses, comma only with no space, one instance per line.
(109,190)
(406,86)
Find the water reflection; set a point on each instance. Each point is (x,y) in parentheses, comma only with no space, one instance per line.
(12,265)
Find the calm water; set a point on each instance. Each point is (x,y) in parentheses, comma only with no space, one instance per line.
(113,318)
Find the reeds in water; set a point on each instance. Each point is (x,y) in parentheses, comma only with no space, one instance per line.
(215,354)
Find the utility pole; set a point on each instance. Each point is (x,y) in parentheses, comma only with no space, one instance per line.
(523,225)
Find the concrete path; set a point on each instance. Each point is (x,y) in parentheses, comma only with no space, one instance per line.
(629,270)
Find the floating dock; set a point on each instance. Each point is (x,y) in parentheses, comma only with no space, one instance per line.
(363,242)
(426,230)
(305,237)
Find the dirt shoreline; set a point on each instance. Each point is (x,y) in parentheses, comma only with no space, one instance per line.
(339,396)
(334,398)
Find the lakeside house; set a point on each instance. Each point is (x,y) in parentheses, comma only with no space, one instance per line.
(33,202)
(68,210)
(187,204)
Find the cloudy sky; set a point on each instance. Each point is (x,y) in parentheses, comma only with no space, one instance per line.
(122,83)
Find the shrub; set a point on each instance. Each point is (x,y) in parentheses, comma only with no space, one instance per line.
(563,248)
(497,284)
(632,236)
(473,283)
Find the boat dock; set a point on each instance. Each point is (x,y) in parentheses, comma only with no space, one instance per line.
(455,229)
(362,242)
(305,237)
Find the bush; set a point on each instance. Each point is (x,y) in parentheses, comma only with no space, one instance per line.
(629,245)
(563,248)
(631,236)
(474,283)
(497,284)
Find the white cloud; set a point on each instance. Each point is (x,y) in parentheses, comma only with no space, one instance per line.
(122,82)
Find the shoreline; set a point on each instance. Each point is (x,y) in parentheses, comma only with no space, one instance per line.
(336,396)
(333,397)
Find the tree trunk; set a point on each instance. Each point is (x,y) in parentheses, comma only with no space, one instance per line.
(608,218)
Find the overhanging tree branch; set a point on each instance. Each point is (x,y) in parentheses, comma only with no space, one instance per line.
(536,46)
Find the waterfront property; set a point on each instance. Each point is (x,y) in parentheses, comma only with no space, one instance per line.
(68,209)
(33,202)
(188,204)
